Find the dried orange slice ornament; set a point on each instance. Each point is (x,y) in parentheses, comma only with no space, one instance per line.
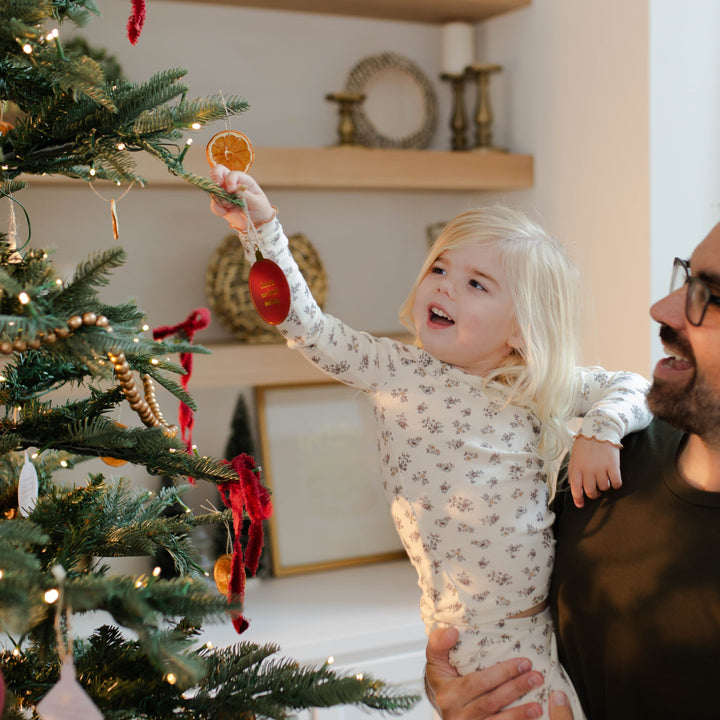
(221,573)
(232,149)
(111,461)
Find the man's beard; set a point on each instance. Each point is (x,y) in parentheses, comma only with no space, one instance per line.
(694,408)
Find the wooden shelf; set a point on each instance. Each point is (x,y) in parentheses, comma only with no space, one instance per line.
(358,168)
(428,11)
(236,364)
(354,168)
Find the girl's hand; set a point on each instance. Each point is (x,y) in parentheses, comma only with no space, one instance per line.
(594,467)
(245,187)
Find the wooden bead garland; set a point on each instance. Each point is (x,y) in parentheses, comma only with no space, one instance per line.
(145,405)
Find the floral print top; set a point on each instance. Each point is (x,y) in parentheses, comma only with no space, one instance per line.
(467,491)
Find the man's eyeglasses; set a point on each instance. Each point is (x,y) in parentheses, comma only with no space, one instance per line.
(698,295)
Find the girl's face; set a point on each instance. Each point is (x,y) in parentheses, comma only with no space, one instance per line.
(463,312)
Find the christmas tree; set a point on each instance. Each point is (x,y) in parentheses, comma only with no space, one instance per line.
(69,111)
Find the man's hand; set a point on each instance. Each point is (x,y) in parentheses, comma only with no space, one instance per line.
(482,694)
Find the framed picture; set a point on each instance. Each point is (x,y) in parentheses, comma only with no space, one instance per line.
(320,462)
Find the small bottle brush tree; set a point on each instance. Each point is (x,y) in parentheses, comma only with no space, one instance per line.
(77,118)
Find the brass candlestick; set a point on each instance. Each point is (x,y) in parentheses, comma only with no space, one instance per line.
(458,119)
(346,126)
(483,108)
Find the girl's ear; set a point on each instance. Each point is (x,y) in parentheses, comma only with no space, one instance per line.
(515,341)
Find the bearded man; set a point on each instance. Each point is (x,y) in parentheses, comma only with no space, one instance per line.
(636,586)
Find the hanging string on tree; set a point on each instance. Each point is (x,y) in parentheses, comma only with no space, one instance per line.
(113,208)
(67,699)
(269,289)
(11,238)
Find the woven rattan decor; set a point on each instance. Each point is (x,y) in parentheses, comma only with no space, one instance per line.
(226,287)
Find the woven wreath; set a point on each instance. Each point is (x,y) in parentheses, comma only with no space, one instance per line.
(366,133)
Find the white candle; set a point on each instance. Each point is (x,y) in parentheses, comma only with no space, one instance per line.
(458,47)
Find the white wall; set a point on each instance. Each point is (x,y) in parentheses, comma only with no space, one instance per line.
(574,93)
(577,98)
(684,133)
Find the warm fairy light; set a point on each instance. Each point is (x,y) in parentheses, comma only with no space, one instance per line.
(359,676)
(24,298)
(154,361)
(27,48)
(188,141)
(35,456)
(145,328)
(156,572)
(58,281)
(51,596)
(11,323)
(196,126)
(1,574)
(136,339)
(209,645)
(5,167)
(55,32)
(63,463)
(139,584)
(92,172)
(121,146)
(171,678)
(16,652)
(3,378)
(172,450)
(330,660)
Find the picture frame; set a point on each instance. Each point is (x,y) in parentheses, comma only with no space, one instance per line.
(319,452)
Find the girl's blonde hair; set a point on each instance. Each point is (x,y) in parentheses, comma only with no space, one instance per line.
(545,290)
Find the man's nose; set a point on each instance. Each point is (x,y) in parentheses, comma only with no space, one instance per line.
(671,309)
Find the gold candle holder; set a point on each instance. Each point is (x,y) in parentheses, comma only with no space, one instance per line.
(483,109)
(346,125)
(458,118)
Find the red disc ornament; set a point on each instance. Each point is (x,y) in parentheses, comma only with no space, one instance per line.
(269,290)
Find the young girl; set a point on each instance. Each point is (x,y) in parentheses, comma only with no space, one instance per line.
(470,418)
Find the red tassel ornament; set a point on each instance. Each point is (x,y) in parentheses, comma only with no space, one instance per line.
(196,320)
(249,494)
(136,21)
